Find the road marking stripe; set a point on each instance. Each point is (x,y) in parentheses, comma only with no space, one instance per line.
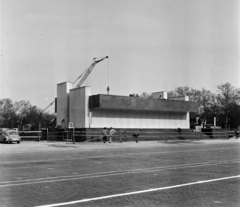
(141,169)
(138,192)
(110,173)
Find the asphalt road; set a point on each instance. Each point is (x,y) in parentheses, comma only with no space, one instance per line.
(176,173)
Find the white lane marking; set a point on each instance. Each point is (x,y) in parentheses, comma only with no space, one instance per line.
(109,173)
(139,192)
(118,155)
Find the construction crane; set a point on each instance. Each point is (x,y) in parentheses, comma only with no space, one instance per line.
(83,77)
(41,113)
(48,106)
(86,73)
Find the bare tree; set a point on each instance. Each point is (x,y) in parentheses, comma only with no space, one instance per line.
(145,95)
(20,113)
(228,101)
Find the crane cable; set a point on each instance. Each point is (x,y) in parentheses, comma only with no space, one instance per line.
(108,72)
(108,88)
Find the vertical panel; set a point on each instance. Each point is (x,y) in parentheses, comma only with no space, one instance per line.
(63,102)
(78,107)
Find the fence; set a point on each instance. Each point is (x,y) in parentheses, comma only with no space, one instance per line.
(67,136)
(30,135)
(165,135)
(174,135)
(124,135)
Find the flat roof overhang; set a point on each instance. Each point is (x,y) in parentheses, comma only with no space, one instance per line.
(102,101)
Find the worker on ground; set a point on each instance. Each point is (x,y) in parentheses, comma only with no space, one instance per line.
(136,135)
(105,134)
(179,130)
(111,133)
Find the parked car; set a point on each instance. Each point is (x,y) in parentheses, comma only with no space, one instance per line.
(9,136)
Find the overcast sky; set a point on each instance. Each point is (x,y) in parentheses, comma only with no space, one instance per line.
(153,45)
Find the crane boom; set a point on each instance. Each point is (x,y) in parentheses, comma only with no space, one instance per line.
(89,70)
(84,76)
(48,106)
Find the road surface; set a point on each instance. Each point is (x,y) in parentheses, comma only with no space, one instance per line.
(176,173)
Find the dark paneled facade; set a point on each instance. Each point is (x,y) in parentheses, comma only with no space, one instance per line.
(102,101)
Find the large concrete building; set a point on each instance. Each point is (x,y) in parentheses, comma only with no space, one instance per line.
(84,110)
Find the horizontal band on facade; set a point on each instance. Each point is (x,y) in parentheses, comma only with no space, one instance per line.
(102,101)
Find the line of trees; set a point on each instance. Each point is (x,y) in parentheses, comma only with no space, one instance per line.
(19,113)
(224,105)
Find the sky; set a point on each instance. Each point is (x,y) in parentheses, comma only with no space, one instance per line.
(153,45)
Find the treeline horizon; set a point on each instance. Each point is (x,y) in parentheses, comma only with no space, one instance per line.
(19,113)
(224,105)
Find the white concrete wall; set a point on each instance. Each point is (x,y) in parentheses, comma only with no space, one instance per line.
(74,108)
(139,119)
(160,95)
(78,107)
(63,90)
(180,98)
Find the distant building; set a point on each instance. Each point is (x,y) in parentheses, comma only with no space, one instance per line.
(85,110)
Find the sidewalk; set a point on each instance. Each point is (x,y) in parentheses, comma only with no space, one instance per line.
(44,146)
(140,144)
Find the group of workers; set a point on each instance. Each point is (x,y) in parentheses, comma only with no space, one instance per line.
(134,95)
(107,135)
(111,132)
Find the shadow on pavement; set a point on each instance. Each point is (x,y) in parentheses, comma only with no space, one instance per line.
(58,145)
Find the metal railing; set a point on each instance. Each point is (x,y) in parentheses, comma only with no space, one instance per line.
(68,136)
(30,135)
(124,135)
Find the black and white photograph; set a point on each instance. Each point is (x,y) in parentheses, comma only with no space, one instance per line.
(109,103)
